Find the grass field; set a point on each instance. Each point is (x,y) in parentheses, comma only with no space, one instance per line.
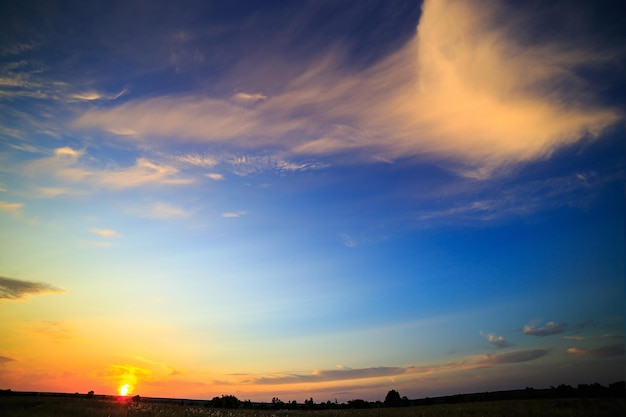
(80,407)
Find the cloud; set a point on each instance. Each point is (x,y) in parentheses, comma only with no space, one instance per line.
(249,98)
(67,151)
(330,375)
(513,357)
(142,173)
(575,337)
(166,211)
(477,200)
(602,351)
(14,208)
(87,96)
(106,233)
(233,214)
(215,176)
(5,359)
(54,191)
(95,95)
(549,329)
(348,240)
(343,373)
(463,90)
(198,160)
(497,341)
(65,164)
(14,289)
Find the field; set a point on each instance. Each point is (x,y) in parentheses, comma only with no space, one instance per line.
(80,407)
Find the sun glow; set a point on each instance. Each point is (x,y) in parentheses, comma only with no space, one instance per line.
(124,390)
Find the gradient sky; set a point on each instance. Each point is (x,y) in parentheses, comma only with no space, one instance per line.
(325,199)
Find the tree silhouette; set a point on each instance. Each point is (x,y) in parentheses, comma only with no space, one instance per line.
(393,399)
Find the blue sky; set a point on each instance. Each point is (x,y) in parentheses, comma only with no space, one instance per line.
(311,199)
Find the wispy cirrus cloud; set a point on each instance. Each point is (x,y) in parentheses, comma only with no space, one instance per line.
(551,328)
(492,201)
(464,89)
(65,164)
(15,289)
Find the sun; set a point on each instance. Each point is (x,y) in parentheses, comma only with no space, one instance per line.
(124,390)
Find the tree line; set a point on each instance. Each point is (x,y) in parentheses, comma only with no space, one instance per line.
(392,399)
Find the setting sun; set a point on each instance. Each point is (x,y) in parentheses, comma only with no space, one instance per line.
(124,390)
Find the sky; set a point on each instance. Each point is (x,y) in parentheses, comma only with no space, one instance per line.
(313,199)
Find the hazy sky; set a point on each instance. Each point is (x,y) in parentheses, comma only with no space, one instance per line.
(325,199)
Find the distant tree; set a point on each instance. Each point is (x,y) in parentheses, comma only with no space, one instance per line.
(358,404)
(393,399)
(277,404)
(90,394)
(225,401)
(309,403)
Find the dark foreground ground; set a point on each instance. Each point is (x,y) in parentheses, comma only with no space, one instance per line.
(81,407)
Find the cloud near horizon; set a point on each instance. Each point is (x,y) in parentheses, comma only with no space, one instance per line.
(345,373)
(463,89)
(616,349)
(15,289)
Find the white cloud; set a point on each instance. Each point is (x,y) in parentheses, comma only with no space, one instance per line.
(348,240)
(166,211)
(233,214)
(198,160)
(463,89)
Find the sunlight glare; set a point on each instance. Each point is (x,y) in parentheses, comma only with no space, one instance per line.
(124,390)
